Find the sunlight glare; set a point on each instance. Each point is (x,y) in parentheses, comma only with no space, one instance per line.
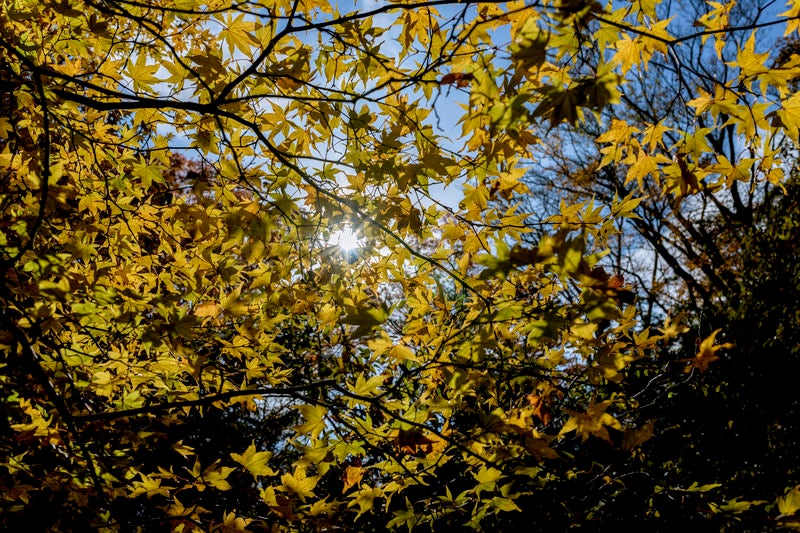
(346,239)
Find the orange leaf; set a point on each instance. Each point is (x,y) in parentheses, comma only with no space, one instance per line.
(351,476)
(616,281)
(540,409)
(707,353)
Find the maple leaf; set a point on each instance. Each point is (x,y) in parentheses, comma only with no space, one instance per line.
(629,52)
(351,476)
(412,442)
(789,503)
(142,74)
(707,353)
(254,462)
(299,483)
(365,499)
(460,79)
(149,486)
(634,438)
(749,61)
(239,34)
(218,477)
(314,416)
(592,422)
(539,408)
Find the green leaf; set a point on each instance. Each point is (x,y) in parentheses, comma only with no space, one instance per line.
(487,478)
(504,504)
(695,487)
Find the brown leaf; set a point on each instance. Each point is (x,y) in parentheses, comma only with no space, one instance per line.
(689,183)
(460,79)
(634,438)
(617,281)
(413,442)
(540,409)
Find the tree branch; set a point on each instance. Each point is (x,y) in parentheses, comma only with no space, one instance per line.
(204,401)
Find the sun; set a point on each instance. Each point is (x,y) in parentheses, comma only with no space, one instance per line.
(346,239)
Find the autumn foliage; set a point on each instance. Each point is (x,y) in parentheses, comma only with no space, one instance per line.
(185,346)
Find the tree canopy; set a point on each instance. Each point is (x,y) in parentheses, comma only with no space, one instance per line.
(187,342)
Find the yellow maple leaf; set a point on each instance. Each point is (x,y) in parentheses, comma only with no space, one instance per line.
(254,462)
(352,476)
(142,74)
(207,309)
(314,416)
(629,53)
(593,422)
(150,486)
(789,503)
(749,61)
(217,477)
(299,484)
(365,499)
(789,115)
(239,33)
